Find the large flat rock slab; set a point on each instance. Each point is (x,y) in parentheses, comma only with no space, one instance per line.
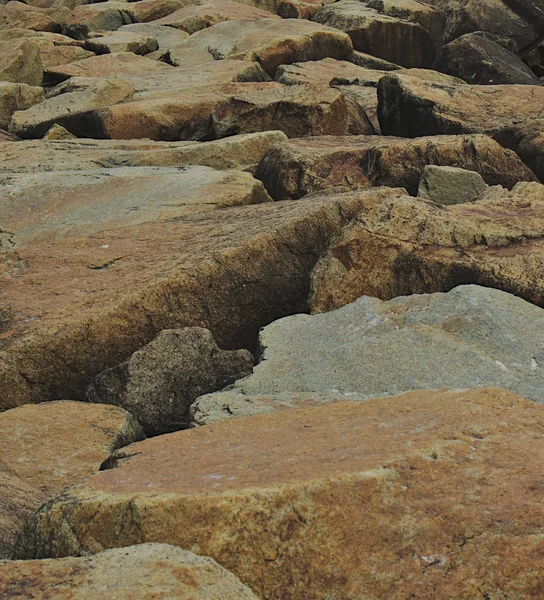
(76,305)
(145,571)
(413,246)
(418,495)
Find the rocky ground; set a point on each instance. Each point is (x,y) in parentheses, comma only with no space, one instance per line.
(272,299)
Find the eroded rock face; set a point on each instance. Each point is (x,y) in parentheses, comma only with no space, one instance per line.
(416,479)
(145,571)
(21,62)
(122,41)
(14,97)
(295,168)
(159,382)
(411,107)
(528,141)
(412,246)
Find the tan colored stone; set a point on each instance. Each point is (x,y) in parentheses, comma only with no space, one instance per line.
(16,15)
(76,305)
(206,13)
(411,107)
(21,62)
(16,96)
(145,571)
(236,152)
(53,55)
(57,132)
(5,136)
(413,246)
(420,494)
(296,168)
(527,140)
(108,16)
(122,41)
(270,42)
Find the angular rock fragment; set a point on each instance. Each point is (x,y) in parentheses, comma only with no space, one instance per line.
(353,499)
(527,140)
(450,185)
(166,36)
(296,168)
(21,62)
(122,41)
(16,96)
(143,571)
(412,246)
(16,15)
(107,16)
(159,382)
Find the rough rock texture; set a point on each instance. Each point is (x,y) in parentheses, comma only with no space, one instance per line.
(122,41)
(527,140)
(107,16)
(16,15)
(395,40)
(14,97)
(231,271)
(236,152)
(270,42)
(295,168)
(21,62)
(145,571)
(450,185)
(166,36)
(19,500)
(159,382)
(411,107)
(400,496)
(412,246)
(467,338)
(477,59)
(35,121)
(56,444)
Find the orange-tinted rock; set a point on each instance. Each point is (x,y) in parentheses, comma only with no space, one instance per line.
(527,140)
(413,246)
(22,16)
(418,495)
(16,96)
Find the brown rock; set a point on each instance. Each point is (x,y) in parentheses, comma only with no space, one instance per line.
(57,132)
(295,168)
(270,42)
(16,96)
(122,41)
(16,15)
(413,246)
(77,304)
(166,36)
(56,444)
(528,141)
(420,494)
(5,136)
(411,107)
(145,571)
(108,16)
(206,13)
(21,62)
(53,55)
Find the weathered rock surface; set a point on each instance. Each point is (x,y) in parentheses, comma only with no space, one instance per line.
(270,42)
(450,185)
(411,107)
(14,97)
(145,571)
(412,246)
(395,40)
(107,16)
(35,121)
(231,271)
(527,140)
(236,152)
(166,36)
(122,41)
(477,59)
(419,483)
(56,444)
(295,168)
(16,15)
(159,382)
(21,62)
(19,500)
(468,338)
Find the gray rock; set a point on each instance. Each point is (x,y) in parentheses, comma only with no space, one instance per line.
(470,337)
(450,185)
(159,382)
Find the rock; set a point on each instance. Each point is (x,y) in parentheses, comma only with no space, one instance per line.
(14,97)
(467,338)
(241,152)
(53,55)
(412,246)
(361,59)
(353,500)
(295,168)
(19,500)
(56,444)
(298,111)
(57,132)
(270,42)
(204,14)
(477,59)
(122,41)
(107,16)
(450,185)
(35,121)
(527,140)
(144,571)
(166,36)
(21,62)
(159,382)
(108,288)
(5,136)
(16,15)
(395,40)
(411,107)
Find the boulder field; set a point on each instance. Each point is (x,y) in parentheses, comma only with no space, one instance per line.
(271,299)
